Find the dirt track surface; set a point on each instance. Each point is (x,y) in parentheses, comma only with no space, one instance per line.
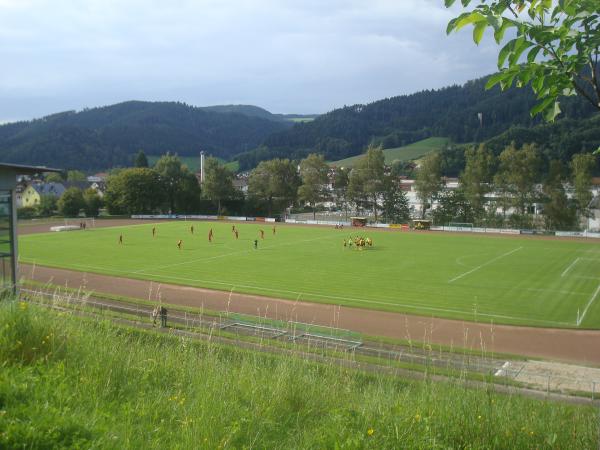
(557,344)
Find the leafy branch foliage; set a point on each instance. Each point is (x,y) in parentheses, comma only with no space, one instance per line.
(555,48)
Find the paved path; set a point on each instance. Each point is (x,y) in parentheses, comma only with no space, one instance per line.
(558,344)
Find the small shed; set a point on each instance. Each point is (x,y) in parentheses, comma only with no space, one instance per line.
(8,221)
(359,221)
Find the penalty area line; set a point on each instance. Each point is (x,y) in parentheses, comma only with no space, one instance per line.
(484,264)
(587,306)
(566,271)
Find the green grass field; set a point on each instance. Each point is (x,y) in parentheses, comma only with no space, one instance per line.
(538,282)
(407,153)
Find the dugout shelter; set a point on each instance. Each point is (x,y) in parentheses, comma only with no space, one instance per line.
(421,224)
(359,221)
(8,222)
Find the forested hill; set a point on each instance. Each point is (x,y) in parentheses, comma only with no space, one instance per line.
(450,112)
(100,138)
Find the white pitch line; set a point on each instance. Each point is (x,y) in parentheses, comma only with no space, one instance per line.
(485,264)
(589,303)
(361,300)
(240,252)
(566,271)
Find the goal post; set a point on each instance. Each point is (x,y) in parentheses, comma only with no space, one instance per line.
(460,225)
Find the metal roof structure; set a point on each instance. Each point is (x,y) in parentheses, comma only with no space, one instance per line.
(22,169)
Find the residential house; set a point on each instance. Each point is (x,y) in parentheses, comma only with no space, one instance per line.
(32,194)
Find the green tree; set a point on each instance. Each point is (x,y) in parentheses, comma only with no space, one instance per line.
(218,182)
(134,191)
(53,177)
(558,211)
(176,180)
(47,206)
(476,179)
(71,202)
(92,202)
(75,176)
(140,159)
(429,180)
(275,179)
(366,179)
(395,207)
(314,173)
(517,176)
(453,206)
(561,41)
(341,178)
(582,165)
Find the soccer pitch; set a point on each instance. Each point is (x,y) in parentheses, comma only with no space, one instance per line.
(525,281)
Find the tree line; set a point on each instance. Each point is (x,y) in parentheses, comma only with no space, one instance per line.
(493,191)
(503,190)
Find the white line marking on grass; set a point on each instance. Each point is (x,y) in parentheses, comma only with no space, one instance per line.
(362,300)
(331,297)
(240,252)
(589,303)
(570,267)
(583,277)
(485,264)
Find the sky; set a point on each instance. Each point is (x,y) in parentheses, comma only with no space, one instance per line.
(288,56)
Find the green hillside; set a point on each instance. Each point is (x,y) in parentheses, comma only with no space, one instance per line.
(406,153)
(193,162)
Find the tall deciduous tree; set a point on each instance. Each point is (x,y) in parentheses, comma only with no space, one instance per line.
(517,176)
(582,165)
(453,207)
(134,191)
(476,179)
(75,176)
(366,179)
(561,41)
(341,178)
(276,179)
(428,182)
(180,185)
(71,202)
(314,173)
(558,212)
(92,202)
(47,206)
(218,182)
(395,201)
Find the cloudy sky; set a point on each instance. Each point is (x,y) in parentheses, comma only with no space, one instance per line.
(290,56)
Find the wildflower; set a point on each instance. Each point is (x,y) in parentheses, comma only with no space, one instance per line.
(22,306)
(479,417)
(417,417)
(370,431)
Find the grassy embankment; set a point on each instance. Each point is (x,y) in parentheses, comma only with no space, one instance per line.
(409,152)
(67,381)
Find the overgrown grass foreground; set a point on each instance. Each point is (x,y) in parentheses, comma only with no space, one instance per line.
(72,382)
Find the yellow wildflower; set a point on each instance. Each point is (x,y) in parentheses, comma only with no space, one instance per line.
(370,431)
(417,417)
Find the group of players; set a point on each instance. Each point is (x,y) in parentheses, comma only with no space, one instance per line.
(358,242)
(234,232)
